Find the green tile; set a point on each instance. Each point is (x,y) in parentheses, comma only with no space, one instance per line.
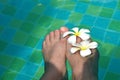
(17,64)
(36,56)
(1,28)
(93,10)
(15,23)
(106,49)
(32,17)
(106,12)
(9,10)
(20,37)
(56,24)
(3,1)
(112,76)
(75,17)
(9,75)
(69,5)
(39,72)
(45,21)
(115,25)
(5,60)
(118,5)
(117,52)
(32,41)
(57,3)
(27,27)
(39,31)
(38,9)
(104,61)
(3,45)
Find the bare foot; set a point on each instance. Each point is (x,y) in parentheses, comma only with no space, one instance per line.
(54,49)
(83,68)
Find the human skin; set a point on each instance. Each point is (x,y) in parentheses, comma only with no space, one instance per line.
(83,68)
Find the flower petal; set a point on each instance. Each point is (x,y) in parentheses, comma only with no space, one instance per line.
(84,36)
(67,33)
(84,31)
(74,49)
(75,29)
(85,53)
(93,45)
(72,39)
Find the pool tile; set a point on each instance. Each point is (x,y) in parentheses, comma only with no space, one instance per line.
(32,41)
(97,33)
(62,14)
(26,27)
(39,72)
(15,23)
(114,65)
(75,17)
(111,37)
(102,22)
(101,73)
(93,10)
(36,56)
(9,10)
(106,12)
(9,75)
(116,15)
(23,77)
(5,60)
(29,69)
(3,45)
(110,4)
(111,76)
(17,64)
(117,52)
(20,38)
(81,7)
(88,20)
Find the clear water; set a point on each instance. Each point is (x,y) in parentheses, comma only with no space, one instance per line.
(24,24)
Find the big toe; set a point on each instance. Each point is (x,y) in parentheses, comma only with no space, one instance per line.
(63,29)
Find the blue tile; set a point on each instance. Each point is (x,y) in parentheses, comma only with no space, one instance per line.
(115,66)
(45,2)
(2,70)
(29,69)
(63,14)
(69,25)
(97,33)
(39,46)
(7,34)
(18,51)
(101,73)
(17,3)
(23,77)
(50,11)
(81,7)
(1,6)
(5,20)
(116,15)
(88,20)
(102,22)
(110,4)
(97,2)
(112,37)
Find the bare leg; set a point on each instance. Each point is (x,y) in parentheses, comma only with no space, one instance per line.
(54,49)
(83,68)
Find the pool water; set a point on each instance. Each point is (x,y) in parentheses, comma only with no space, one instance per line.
(24,24)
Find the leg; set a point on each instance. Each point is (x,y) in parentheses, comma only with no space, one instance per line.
(83,68)
(54,49)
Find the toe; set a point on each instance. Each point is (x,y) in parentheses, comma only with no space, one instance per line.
(57,34)
(52,36)
(63,29)
(47,40)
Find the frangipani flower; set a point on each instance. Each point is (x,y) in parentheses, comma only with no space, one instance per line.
(82,33)
(84,47)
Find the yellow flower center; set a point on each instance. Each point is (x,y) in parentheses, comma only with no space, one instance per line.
(84,47)
(77,34)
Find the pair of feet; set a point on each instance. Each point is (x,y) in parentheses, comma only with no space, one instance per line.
(56,50)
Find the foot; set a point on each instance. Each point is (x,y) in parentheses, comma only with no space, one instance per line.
(83,68)
(54,49)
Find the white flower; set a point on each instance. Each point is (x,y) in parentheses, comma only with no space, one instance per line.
(84,47)
(82,33)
